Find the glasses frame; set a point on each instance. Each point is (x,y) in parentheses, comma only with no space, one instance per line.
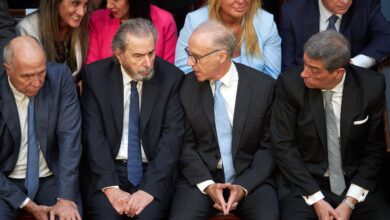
(196,59)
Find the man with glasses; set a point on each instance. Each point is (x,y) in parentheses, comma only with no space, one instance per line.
(226,160)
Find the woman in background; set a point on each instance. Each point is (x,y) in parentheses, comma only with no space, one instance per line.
(61,27)
(258,41)
(105,22)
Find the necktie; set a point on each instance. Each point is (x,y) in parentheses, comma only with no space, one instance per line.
(224,133)
(332,21)
(32,175)
(134,158)
(336,176)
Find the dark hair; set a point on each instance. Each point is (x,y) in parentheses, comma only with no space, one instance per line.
(139,9)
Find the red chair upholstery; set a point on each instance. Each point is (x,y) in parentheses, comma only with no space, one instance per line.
(221,216)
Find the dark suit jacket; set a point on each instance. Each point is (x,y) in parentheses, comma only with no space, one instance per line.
(299,130)
(363,25)
(7,29)
(251,149)
(58,125)
(161,123)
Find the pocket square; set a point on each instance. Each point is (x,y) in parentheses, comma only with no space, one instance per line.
(360,121)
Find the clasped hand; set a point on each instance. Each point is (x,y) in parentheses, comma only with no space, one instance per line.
(215,191)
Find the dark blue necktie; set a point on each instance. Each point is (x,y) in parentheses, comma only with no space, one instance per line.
(32,176)
(134,159)
(332,22)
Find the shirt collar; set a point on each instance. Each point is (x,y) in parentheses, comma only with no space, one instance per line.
(230,77)
(339,87)
(18,95)
(325,13)
(126,78)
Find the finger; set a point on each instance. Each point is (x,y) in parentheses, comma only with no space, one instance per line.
(140,209)
(78,216)
(222,203)
(52,215)
(217,206)
(234,206)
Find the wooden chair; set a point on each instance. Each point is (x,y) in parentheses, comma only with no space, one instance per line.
(25,217)
(221,216)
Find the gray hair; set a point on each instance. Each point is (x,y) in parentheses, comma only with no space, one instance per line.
(220,35)
(8,51)
(331,47)
(138,27)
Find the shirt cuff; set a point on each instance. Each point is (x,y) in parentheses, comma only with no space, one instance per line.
(357,192)
(363,61)
(24,203)
(110,187)
(203,185)
(310,200)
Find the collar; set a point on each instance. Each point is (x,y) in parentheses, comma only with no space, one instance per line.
(339,87)
(19,97)
(325,13)
(230,77)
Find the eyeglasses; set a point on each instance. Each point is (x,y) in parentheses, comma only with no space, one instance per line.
(196,59)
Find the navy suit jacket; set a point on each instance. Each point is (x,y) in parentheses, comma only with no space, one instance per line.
(251,145)
(161,123)
(7,29)
(298,128)
(363,25)
(58,125)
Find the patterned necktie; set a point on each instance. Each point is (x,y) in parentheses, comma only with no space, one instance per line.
(336,176)
(332,21)
(224,133)
(32,175)
(134,158)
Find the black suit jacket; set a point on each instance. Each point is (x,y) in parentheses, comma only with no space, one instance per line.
(299,130)
(161,123)
(58,125)
(363,25)
(251,149)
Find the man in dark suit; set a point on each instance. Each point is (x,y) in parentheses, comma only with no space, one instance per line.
(360,21)
(226,160)
(129,101)
(40,124)
(7,29)
(328,135)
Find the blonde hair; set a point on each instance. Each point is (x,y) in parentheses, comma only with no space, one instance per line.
(49,28)
(248,33)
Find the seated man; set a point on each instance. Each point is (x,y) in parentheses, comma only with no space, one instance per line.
(328,135)
(360,21)
(227,159)
(40,134)
(132,127)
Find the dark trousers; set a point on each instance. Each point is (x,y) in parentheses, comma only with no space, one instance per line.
(46,195)
(374,207)
(191,204)
(99,207)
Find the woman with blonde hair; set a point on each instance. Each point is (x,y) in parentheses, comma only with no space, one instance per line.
(61,27)
(258,41)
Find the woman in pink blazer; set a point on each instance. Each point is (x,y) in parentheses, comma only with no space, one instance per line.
(104,23)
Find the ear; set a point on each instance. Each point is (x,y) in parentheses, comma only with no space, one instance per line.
(7,68)
(119,55)
(222,56)
(340,72)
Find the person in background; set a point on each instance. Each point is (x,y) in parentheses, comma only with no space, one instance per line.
(360,21)
(40,138)
(258,41)
(105,22)
(7,29)
(61,27)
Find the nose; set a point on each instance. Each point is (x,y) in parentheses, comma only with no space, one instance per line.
(147,61)
(109,4)
(190,62)
(81,10)
(34,80)
(304,73)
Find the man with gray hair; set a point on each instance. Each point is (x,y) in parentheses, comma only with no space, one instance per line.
(132,127)
(328,135)
(227,161)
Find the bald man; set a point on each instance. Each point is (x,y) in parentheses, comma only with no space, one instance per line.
(39,135)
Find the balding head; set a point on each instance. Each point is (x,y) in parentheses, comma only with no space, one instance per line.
(25,64)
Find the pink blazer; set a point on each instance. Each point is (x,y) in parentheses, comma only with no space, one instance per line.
(102,28)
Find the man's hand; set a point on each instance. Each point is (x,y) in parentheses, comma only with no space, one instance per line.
(325,211)
(215,191)
(118,199)
(39,212)
(64,210)
(236,194)
(344,210)
(138,201)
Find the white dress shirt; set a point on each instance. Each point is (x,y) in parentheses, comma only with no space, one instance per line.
(354,190)
(229,93)
(20,169)
(360,59)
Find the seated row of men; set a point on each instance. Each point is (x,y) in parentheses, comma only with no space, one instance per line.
(158,144)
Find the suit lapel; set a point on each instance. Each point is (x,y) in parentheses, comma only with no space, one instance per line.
(207,100)
(9,110)
(317,110)
(349,108)
(311,26)
(243,99)
(115,90)
(42,109)
(345,27)
(150,89)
